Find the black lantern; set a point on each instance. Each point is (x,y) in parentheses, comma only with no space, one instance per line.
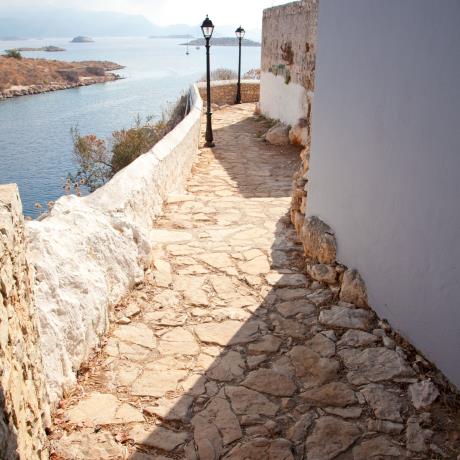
(239,34)
(208,28)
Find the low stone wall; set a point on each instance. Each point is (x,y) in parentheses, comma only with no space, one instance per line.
(89,251)
(224,91)
(24,409)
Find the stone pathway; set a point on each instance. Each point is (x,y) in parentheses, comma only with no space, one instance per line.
(228,350)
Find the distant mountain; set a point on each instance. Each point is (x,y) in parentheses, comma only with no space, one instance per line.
(223,41)
(70,23)
(48,22)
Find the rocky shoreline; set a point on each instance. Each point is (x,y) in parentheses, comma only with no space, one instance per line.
(16,91)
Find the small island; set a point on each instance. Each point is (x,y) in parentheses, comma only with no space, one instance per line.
(82,39)
(21,76)
(48,49)
(222,41)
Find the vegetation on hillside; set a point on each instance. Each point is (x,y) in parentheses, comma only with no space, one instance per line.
(27,71)
(229,74)
(13,54)
(99,160)
(221,74)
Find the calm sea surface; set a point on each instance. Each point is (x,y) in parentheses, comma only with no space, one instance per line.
(35,140)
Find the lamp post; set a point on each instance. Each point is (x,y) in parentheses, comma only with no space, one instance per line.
(208,28)
(240,34)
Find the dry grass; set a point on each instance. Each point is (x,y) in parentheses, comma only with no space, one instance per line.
(27,71)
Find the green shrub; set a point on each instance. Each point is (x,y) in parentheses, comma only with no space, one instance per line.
(98,163)
(13,54)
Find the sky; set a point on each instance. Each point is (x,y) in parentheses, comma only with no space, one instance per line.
(166,12)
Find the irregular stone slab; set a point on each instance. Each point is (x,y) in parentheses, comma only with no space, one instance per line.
(257,266)
(207,439)
(223,286)
(158,437)
(355,338)
(374,365)
(133,352)
(286,280)
(270,381)
(291,293)
(353,289)
(104,409)
(178,341)
(137,333)
(218,413)
(311,368)
(336,394)
(167,299)
(423,393)
(227,368)
(228,332)
(354,318)
(172,409)
(320,297)
(330,437)
(262,448)
(385,426)
(378,448)
(216,260)
(194,384)
(318,240)
(345,412)
(416,436)
(238,314)
(298,432)
(294,307)
(155,383)
(89,446)
(249,402)
(321,345)
(268,344)
(322,273)
(196,297)
(386,405)
(290,327)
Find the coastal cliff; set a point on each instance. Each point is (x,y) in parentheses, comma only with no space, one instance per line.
(20,77)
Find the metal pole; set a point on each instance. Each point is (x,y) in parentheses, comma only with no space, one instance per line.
(238,86)
(209,136)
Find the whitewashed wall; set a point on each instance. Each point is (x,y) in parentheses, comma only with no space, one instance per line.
(385,159)
(90,250)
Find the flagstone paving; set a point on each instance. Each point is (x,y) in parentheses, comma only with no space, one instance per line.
(228,350)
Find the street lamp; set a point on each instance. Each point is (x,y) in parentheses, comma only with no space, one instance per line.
(240,34)
(208,28)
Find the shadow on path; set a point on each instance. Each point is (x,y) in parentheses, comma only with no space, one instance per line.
(229,350)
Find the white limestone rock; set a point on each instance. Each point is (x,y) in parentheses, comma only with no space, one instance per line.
(278,134)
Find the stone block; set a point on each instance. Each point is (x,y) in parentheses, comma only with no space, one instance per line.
(318,240)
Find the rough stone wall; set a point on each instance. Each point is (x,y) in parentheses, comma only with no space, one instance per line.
(24,408)
(224,92)
(89,251)
(288,60)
